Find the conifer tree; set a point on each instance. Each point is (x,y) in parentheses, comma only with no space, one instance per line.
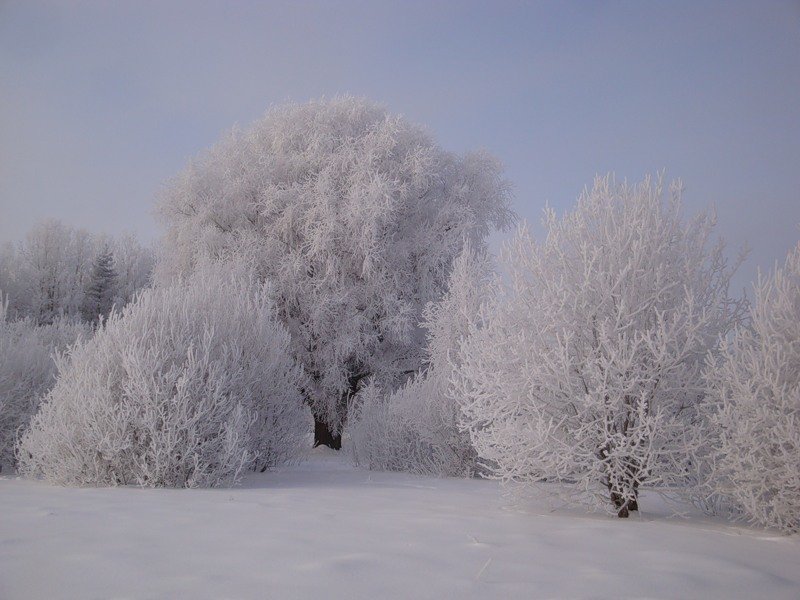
(101,287)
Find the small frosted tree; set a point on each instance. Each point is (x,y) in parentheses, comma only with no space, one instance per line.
(133,265)
(52,267)
(8,276)
(754,413)
(186,387)
(101,289)
(355,215)
(589,373)
(417,428)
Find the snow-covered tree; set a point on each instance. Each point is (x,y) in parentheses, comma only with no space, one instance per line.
(185,387)
(27,371)
(52,270)
(589,373)
(47,274)
(101,288)
(754,413)
(355,215)
(416,428)
(133,264)
(8,276)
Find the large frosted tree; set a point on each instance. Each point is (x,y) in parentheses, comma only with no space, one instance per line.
(355,215)
(589,373)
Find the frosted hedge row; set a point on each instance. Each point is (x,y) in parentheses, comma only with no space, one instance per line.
(328,265)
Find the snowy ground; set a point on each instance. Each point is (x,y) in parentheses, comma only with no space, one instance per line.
(326,530)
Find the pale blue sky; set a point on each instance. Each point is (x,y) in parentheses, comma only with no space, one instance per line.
(101,102)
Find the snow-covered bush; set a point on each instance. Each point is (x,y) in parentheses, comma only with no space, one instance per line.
(186,386)
(27,371)
(589,373)
(754,413)
(355,215)
(416,428)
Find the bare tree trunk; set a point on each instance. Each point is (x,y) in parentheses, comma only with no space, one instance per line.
(324,437)
(625,507)
(322,432)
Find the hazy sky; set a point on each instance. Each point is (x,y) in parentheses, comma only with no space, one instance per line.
(101,102)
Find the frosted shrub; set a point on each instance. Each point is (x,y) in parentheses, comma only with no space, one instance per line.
(754,416)
(187,386)
(589,373)
(27,372)
(416,428)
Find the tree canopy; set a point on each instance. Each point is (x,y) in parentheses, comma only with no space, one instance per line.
(354,214)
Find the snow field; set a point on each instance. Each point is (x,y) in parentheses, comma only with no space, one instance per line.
(325,529)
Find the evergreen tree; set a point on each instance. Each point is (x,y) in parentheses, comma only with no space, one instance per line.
(101,287)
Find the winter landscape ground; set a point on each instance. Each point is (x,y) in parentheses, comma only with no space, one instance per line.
(424,242)
(324,529)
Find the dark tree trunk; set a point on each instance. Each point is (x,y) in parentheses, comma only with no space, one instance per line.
(322,433)
(624,507)
(324,437)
